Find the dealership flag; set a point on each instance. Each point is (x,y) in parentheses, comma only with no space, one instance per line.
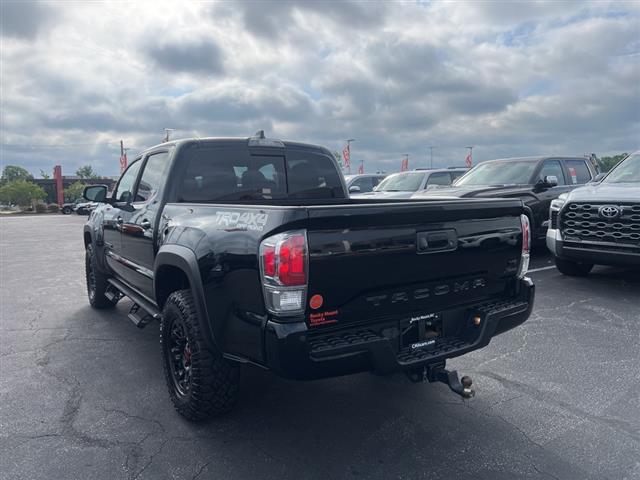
(405,164)
(468,160)
(123,162)
(123,157)
(346,154)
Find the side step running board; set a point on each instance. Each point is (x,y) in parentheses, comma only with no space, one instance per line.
(142,311)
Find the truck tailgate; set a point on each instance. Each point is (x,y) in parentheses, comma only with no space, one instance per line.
(374,260)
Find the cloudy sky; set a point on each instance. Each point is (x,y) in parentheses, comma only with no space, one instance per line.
(510,79)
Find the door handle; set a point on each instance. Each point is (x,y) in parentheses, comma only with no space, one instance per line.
(146,224)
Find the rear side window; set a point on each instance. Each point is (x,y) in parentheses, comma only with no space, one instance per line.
(439,178)
(232,174)
(578,171)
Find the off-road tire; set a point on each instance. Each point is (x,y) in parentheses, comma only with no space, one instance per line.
(96,287)
(573,269)
(213,380)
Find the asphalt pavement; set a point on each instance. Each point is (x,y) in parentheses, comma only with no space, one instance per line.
(82,395)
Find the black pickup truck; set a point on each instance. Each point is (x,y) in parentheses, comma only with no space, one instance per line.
(250,251)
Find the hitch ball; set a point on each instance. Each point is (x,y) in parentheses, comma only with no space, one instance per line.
(466,382)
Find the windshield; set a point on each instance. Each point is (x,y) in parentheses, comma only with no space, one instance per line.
(401,182)
(499,173)
(627,171)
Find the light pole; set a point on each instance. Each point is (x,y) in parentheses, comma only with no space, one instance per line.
(431,153)
(167,132)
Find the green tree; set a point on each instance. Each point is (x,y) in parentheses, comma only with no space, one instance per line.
(607,163)
(13,172)
(86,172)
(73,191)
(44,175)
(21,192)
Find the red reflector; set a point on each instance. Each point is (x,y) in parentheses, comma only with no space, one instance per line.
(269,260)
(291,265)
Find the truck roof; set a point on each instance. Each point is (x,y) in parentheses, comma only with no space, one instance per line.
(235,141)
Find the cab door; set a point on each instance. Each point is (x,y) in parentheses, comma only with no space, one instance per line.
(140,223)
(114,215)
(550,167)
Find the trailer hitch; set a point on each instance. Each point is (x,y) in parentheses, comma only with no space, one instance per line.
(438,373)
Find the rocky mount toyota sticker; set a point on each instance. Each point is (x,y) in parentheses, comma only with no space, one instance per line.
(323,318)
(241,220)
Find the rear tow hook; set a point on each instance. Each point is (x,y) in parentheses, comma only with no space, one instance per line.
(450,378)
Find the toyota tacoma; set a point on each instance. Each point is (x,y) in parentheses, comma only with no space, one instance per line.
(250,251)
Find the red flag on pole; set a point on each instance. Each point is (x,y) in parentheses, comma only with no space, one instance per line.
(123,158)
(405,165)
(346,154)
(361,167)
(123,162)
(468,160)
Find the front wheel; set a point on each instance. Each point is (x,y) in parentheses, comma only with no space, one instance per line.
(201,382)
(573,269)
(97,282)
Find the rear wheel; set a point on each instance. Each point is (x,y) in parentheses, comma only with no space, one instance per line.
(97,283)
(201,382)
(574,269)
(66,210)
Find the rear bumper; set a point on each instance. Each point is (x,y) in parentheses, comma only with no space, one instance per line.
(594,252)
(295,351)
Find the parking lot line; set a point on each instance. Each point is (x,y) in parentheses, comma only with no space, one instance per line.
(541,269)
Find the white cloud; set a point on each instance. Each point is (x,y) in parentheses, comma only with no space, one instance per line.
(537,77)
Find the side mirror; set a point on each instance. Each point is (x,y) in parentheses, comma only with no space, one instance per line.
(95,193)
(599,177)
(354,189)
(551,181)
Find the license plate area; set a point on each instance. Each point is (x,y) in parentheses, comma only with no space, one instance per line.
(421,331)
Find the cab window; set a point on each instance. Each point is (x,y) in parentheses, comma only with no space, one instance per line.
(154,170)
(124,190)
(552,168)
(439,178)
(578,171)
(365,184)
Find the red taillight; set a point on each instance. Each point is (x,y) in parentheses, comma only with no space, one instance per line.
(292,261)
(269,260)
(283,261)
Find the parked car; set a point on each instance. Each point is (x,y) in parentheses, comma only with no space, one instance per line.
(251,251)
(70,207)
(405,184)
(598,223)
(363,182)
(85,208)
(534,180)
